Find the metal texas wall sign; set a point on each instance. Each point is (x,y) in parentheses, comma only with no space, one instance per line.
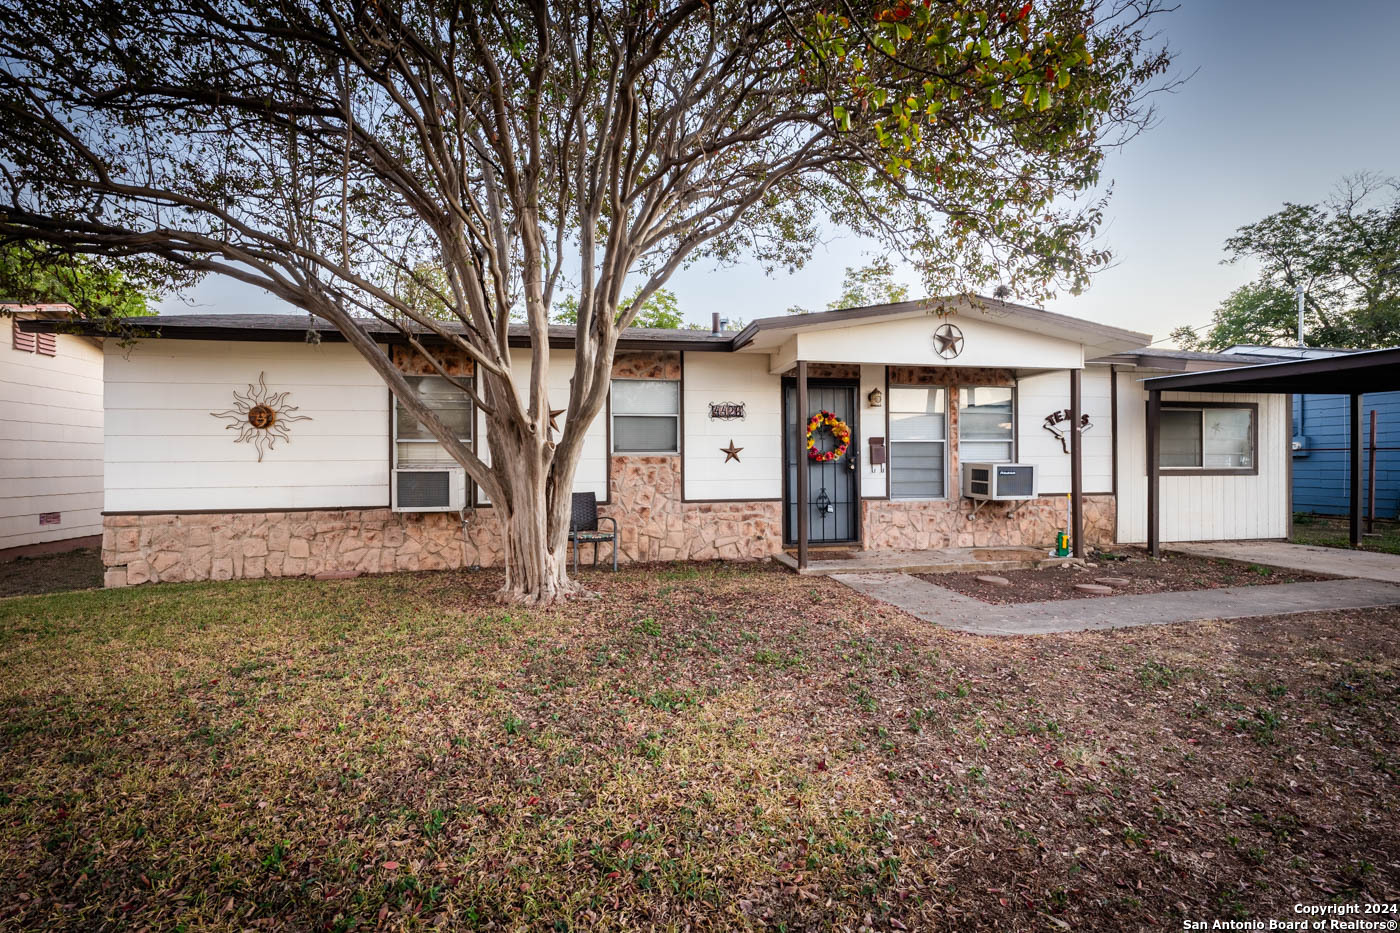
(727,411)
(1057,423)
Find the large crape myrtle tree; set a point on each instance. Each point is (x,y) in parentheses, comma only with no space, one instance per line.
(451,167)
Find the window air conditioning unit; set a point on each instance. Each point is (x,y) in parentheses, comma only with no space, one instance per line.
(998,482)
(430,489)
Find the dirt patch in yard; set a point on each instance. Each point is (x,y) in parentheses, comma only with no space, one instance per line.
(51,573)
(1172,573)
(694,747)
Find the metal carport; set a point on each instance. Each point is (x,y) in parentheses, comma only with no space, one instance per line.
(1352,374)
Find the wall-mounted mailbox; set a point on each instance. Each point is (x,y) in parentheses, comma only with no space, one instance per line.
(877,453)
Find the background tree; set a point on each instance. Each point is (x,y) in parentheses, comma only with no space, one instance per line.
(873,284)
(661,310)
(1346,255)
(870,284)
(32,273)
(328,151)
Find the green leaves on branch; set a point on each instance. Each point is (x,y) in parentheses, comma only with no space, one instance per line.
(1005,107)
(96,288)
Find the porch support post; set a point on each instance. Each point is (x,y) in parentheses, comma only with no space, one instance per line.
(1355,451)
(803,478)
(1154,472)
(1076,464)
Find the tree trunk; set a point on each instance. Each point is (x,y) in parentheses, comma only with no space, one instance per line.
(534,522)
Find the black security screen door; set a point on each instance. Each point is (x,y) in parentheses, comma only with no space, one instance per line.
(833,499)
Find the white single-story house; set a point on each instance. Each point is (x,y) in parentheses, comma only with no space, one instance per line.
(50,435)
(701,453)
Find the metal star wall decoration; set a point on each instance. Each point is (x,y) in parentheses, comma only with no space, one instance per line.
(731,452)
(554,414)
(261,416)
(948,341)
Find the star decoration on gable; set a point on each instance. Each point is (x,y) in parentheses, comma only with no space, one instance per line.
(731,452)
(948,341)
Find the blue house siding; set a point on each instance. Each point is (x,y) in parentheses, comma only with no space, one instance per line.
(1320,471)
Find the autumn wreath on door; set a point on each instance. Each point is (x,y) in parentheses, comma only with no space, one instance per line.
(826,421)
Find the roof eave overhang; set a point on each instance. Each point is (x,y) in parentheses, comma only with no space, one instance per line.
(1097,339)
(1369,371)
(330,335)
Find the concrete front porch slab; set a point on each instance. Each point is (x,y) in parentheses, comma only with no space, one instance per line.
(930,560)
(953,610)
(1342,562)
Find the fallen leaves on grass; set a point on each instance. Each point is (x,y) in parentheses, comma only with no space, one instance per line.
(704,746)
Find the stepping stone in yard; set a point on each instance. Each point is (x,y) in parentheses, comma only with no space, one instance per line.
(994,580)
(1113,581)
(1094,588)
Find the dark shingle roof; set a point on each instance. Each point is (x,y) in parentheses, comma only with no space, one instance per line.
(293,327)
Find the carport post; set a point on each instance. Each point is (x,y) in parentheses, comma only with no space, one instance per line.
(1076,464)
(1154,471)
(1355,510)
(802,475)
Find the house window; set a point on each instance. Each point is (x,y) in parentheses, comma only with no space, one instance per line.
(985,424)
(413,444)
(1208,438)
(646,416)
(918,442)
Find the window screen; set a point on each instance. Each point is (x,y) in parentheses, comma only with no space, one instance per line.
(646,416)
(918,442)
(985,424)
(413,444)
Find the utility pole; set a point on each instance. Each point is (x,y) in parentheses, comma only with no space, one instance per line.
(1301,293)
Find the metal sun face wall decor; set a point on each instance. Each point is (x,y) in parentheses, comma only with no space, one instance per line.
(261,417)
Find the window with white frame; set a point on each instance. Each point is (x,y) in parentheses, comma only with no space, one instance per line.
(413,444)
(1209,438)
(918,442)
(985,424)
(646,416)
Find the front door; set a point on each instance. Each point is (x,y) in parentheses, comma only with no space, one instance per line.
(833,499)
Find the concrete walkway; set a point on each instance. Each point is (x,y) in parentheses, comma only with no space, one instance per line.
(1367,565)
(942,606)
(927,560)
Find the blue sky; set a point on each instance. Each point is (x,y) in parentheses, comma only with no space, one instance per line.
(1285,98)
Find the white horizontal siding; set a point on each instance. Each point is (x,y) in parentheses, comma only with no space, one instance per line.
(50,441)
(166,451)
(909,341)
(1045,393)
(723,377)
(874,480)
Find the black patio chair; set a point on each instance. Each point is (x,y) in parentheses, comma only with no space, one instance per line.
(583,527)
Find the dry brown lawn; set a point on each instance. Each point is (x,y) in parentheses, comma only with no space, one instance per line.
(698,747)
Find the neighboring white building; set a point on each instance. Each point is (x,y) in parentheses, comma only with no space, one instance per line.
(50,436)
(697,454)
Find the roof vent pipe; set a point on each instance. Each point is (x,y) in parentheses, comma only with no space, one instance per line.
(714,325)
